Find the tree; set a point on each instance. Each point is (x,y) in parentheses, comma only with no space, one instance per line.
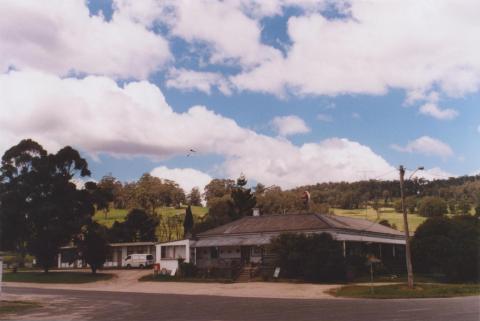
(93,246)
(449,246)
(452,207)
(50,208)
(148,193)
(139,226)
(464,207)
(376,206)
(188,222)
(218,188)
(107,190)
(432,206)
(387,224)
(220,212)
(195,198)
(411,204)
(243,199)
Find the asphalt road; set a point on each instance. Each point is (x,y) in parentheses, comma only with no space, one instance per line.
(97,305)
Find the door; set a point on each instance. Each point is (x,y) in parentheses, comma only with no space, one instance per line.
(119,257)
(245,254)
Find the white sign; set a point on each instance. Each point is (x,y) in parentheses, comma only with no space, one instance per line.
(276,273)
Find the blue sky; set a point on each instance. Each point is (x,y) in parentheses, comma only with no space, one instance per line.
(293,92)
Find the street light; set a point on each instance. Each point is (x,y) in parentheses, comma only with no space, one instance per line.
(408,254)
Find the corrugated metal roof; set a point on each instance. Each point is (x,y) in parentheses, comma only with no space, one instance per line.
(269,223)
(357,224)
(299,223)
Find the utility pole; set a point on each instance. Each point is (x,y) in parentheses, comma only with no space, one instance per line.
(408,255)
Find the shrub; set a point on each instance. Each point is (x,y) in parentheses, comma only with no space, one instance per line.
(449,246)
(431,206)
(355,266)
(187,270)
(314,257)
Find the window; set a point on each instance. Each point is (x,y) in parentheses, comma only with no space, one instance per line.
(128,258)
(149,257)
(214,252)
(164,252)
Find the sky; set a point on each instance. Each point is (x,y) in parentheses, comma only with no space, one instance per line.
(285,92)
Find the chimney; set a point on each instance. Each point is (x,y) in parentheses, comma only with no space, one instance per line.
(256,211)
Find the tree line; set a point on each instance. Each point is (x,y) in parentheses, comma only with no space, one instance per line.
(42,209)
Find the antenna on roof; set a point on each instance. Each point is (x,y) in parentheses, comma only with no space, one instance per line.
(306,200)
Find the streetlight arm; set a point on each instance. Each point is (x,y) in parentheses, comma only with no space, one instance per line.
(420,168)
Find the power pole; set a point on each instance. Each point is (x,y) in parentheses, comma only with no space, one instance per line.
(408,254)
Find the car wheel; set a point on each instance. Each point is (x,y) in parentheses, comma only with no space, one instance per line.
(141,266)
(128,266)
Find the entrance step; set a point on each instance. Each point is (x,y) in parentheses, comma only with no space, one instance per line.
(245,274)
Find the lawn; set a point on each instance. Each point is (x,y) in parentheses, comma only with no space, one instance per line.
(55,277)
(387,213)
(116,214)
(401,291)
(7,307)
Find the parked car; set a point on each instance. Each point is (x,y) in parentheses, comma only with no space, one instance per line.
(138,261)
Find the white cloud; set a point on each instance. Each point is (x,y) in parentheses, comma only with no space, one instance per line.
(62,37)
(232,36)
(289,125)
(431,109)
(194,80)
(286,165)
(426,145)
(433,174)
(98,116)
(324,118)
(397,44)
(187,178)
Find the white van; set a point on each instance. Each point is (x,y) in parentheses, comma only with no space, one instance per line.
(138,261)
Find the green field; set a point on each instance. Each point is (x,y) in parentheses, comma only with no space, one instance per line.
(387,213)
(116,214)
(400,291)
(55,277)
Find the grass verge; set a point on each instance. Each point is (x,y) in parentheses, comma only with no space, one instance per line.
(9,307)
(401,291)
(56,277)
(419,278)
(168,278)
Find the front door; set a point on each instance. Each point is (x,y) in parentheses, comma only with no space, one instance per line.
(119,257)
(245,254)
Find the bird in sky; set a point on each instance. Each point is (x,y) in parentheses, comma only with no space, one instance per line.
(190,152)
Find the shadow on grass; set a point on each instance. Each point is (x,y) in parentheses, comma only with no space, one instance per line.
(56,277)
(9,307)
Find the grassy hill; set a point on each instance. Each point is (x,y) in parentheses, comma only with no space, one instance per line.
(387,213)
(116,214)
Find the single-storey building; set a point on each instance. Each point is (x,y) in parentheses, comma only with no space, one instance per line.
(116,255)
(245,241)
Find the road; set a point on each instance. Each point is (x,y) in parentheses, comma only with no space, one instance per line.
(98,305)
